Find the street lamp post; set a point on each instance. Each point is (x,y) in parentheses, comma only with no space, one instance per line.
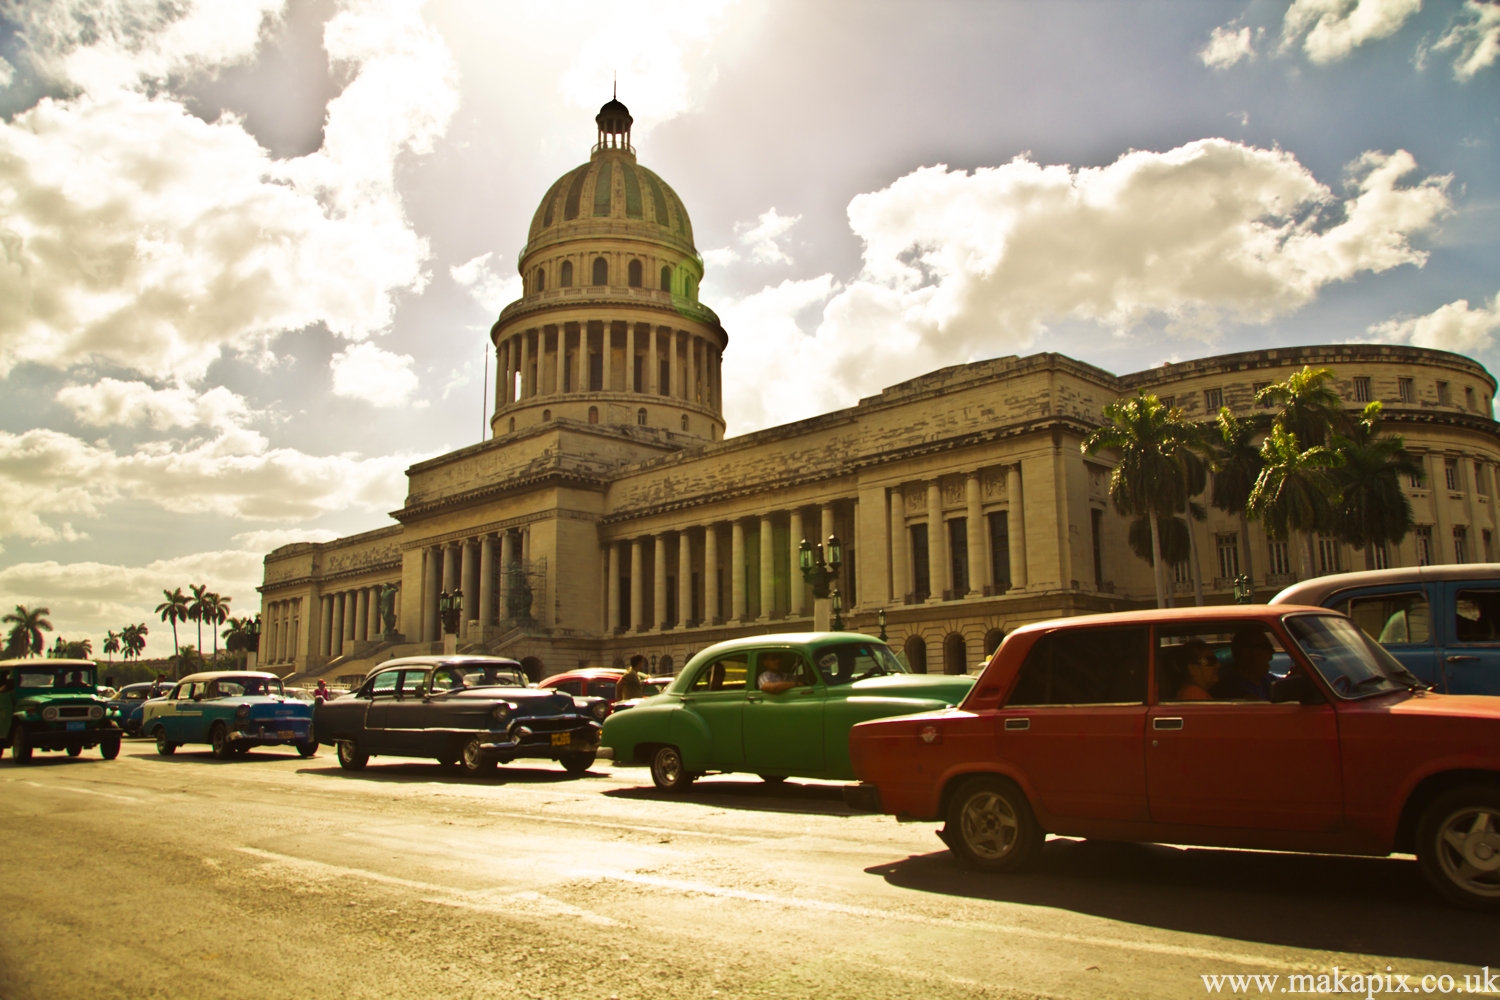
(252,642)
(820,569)
(880,616)
(450,605)
(1243,592)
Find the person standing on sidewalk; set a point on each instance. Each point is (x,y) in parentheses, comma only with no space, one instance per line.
(630,684)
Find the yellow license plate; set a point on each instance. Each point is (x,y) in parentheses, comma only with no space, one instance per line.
(562,739)
(286,734)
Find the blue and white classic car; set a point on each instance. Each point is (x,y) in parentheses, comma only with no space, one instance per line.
(232,711)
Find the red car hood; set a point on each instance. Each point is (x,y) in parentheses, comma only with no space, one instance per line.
(1468,706)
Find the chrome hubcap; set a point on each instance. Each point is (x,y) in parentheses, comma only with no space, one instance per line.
(990,826)
(1469,850)
(670,766)
(471,754)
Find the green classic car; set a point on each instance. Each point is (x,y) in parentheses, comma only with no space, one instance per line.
(775,705)
(54,705)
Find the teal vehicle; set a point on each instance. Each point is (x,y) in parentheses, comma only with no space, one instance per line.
(54,705)
(779,706)
(232,711)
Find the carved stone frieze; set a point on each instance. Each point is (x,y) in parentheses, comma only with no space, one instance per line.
(992,484)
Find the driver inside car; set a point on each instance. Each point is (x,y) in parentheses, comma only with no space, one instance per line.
(774,678)
(1249,679)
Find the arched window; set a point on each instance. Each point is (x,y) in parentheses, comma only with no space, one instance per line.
(593,414)
(567,274)
(546,415)
(992,640)
(512,425)
(640,417)
(633,274)
(684,421)
(955,654)
(916,654)
(601,271)
(664,665)
(666,278)
(541,280)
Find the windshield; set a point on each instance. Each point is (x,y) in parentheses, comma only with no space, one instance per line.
(452,676)
(1350,661)
(64,678)
(238,687)
(854,661)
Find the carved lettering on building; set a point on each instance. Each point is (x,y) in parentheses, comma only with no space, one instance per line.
(339,562)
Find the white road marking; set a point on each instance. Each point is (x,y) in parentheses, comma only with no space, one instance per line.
(81,791)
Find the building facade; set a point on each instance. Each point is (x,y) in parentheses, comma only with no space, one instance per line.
(608,515)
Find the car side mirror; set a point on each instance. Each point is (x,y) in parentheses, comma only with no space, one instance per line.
(1296,687)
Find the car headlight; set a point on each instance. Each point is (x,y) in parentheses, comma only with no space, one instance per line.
(500,713)
(600,709)
(243,712)
(96,712)
(50,714)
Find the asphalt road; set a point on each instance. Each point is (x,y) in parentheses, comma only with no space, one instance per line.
(272,876)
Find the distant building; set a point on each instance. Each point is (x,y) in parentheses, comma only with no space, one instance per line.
(607,515)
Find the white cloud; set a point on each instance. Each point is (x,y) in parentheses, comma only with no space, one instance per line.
(138,234)
(1331,29)
(760,238)
(367,373)
(7,73)
(1477,41)
(274,538)
(486,287)
(1453,327)
(1226,47)
(719,257)
(960,266)
(112,402)
(92,598)
(457,379)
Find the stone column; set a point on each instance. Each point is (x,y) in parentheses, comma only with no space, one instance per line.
(936,575)
(614,587)
(1015,523)
(767,568)
(653,370)
(606,346)
(659,580)
(976,535)
(794,573)
(710,572)
(581,359)
(630,357)
(486,580)
(361,630)
(507,556)
(684,579)
(673,371)
(469,583)
(451,567)
(431,630)
(501,361)
(325,626)
(692,370)
(525,366)
(560,367)
(737,570)
(826,523)
(637,585)
(900,568)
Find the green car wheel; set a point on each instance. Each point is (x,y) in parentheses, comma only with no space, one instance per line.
(109,747)
(20,746)
(668,772)
(164,746)
(218,738)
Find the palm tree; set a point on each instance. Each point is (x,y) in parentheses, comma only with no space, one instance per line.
(237,637)
(81,649)
(1295,491)
(1149,480)
(1373,510)
(1237,464)
(25,636)
(134,638)
(174,609)
(197,608)
(215,610)
(1310,407)
(111,645)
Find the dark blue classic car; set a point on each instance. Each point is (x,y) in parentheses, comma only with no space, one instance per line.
(230,710)
(130,701)
(472,711)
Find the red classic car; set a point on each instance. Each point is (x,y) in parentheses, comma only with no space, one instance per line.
(1280,728)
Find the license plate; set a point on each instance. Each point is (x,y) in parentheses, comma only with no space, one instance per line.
(562,739)
(286,734)
(76,725)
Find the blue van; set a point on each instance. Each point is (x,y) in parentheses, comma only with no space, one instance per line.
(1441,622)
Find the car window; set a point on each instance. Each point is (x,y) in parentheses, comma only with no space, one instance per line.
(444,679)
(190,692)
(413,683)
(1476,616)
(384,685)
(727,673)
(1222,661)
(571,687)
(1392,619)
(136,695)
(1091,666)
(1353,665)
(784,664)
(857,660)
(603,689)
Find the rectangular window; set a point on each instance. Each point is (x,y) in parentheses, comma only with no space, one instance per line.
(638,376)
(1460,544)
(696,611)
(1169,401)
(1378,557)
(1000,550)
(1469,399)
(1361,389)
(624,621)
(1328,555)
(1476,615)
(664,378)
(958,552)
(1442,391)
(1480,482)
(1279,558)
(851,580)
(1213,399)
(1255,391)
(1096,518)
(1197,662)
(1088,666)
(1450,473)
(669,613)
(596,373)
(1489,546)
(1423,535)
(1182,573)
(1229,556)
(725,674)
(1406,390)
(1391,618)
(920,577)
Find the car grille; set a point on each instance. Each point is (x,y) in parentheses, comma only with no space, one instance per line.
(555,724)
(73,712)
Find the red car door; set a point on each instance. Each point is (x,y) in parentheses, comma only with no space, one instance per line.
(1074,723)
(1238,760)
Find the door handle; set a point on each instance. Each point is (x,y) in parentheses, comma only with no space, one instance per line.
(755,699)
(1462,659)
(1166,723)
(1015,724)
(687,699)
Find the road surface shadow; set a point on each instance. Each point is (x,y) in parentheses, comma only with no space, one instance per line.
(409,771)
(1373,906)
(752,794)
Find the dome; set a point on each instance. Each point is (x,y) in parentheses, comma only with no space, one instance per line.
(612,186)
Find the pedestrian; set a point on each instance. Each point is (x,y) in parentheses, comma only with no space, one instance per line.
(321,692)
(630,684)
(158,686)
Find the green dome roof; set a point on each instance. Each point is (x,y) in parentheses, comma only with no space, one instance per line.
(611,187)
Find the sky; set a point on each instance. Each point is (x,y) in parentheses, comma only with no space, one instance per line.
(250,250)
